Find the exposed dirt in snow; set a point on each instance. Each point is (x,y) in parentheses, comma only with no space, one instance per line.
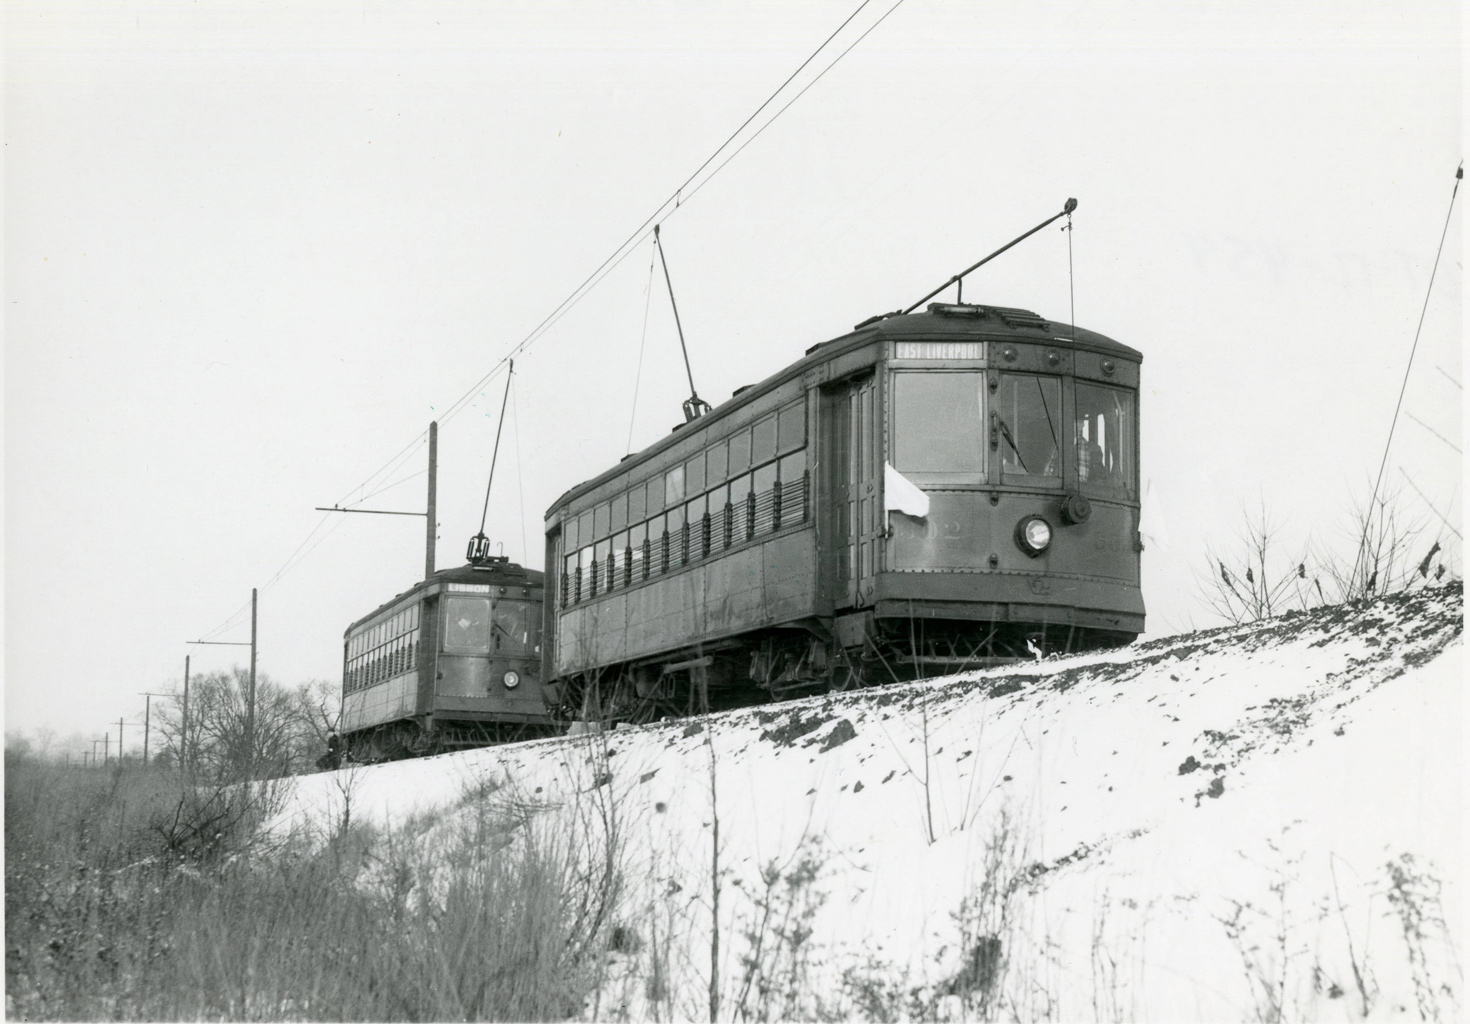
(1229,824)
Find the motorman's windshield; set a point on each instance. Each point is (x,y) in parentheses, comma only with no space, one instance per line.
(517,627)
(467,625)
(1028,419)
(1104,440)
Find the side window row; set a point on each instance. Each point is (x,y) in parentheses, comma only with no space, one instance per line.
(774,496)
(726,460)
(382,663)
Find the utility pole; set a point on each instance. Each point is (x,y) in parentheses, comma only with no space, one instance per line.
(147,718)
(184,740)
(433,498)
(119,740)
(106,747)
(429,514)
(250,696)
(250,699)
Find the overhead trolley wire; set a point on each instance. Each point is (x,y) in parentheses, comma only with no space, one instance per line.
(675,200)
(667,208)
(799,95)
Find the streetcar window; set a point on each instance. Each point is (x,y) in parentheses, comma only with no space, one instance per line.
(763,444)
(584,528)
(467,625)
(1028,419)
(637,504)
(636,536)
(694,474)
(793,466)
(619,512)
(603,549)
(791,428)
(512,626)
(763,478)
(600,516)
(938,422)
(656,501)
(739,452)
(674,486)
(584,581)
(620,556)
(718,462)
(1104,439)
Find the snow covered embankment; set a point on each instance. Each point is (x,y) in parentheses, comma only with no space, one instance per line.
(1261,821)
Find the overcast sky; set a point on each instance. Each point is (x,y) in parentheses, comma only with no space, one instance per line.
(252,249)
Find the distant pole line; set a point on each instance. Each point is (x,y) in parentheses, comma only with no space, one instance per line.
(1447,377)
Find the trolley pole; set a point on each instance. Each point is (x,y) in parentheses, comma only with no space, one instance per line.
(250,699)
(433,498)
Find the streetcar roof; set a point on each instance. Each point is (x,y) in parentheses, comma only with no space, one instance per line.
(500,574)
(941,321)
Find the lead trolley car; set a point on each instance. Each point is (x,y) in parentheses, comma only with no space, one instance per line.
(930,492)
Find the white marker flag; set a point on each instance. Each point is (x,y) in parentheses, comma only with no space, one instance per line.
(900,494)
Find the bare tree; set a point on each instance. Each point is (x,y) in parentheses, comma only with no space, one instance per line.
(291,726)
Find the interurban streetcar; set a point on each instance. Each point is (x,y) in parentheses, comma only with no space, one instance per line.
(931,491)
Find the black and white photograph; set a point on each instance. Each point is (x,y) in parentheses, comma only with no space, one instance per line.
(850,510)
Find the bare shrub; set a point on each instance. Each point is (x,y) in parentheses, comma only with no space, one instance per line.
(1255,578)
(1386,551)
(775,979)
(1413,895)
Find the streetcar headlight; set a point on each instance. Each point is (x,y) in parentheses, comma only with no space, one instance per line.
(512,679)
(1033,535)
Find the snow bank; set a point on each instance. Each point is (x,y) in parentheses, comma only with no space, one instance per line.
(1258,821)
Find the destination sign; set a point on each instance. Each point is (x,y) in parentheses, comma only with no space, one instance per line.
(937,350)
(469,588)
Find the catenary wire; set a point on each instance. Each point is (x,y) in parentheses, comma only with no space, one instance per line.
(1368,520)
(676,200)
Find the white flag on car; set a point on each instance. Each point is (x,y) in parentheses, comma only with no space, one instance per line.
(900,494)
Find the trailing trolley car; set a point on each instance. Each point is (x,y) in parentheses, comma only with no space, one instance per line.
(454,661)
(930,492)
